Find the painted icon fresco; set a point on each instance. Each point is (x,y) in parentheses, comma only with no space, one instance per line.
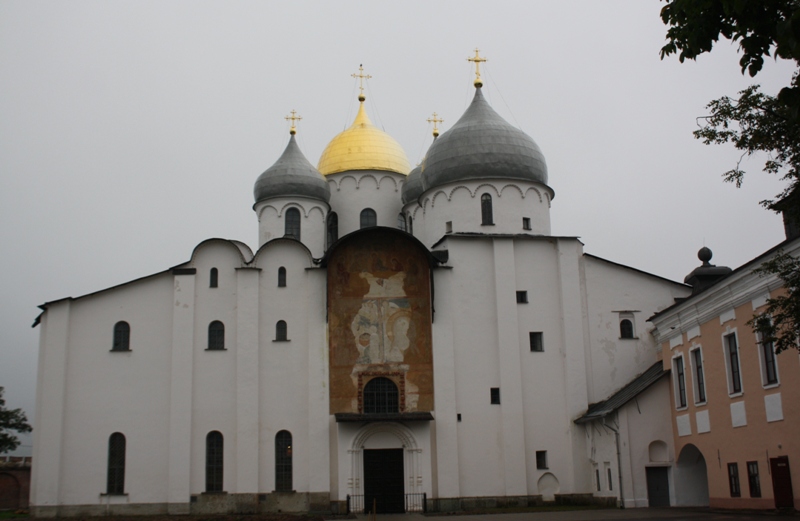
(379,319)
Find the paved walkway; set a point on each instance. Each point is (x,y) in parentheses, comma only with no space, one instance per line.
(630,514)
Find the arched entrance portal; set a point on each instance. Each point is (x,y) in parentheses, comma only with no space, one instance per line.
(691,478)
(384,463)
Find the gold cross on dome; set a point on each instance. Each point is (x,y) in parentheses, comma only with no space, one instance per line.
(294,117)
(477,60)
(361,77)
(435,119)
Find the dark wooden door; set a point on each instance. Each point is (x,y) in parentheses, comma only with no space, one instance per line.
(383,481)
(781,482)
(657,486)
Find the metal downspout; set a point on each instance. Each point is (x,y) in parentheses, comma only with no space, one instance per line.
(619,462)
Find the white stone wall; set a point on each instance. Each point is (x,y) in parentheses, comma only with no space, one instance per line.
(352,192)
(271,221)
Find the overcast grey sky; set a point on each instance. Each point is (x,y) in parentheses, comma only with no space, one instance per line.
(131,131)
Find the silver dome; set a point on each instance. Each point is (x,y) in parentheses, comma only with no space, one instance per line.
(292,175)
(482,145)
(412,188)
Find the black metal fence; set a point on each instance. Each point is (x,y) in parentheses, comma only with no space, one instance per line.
(413,503)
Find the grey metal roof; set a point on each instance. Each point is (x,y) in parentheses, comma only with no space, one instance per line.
(412,188)
(292,175)
(629,392)
(482,145)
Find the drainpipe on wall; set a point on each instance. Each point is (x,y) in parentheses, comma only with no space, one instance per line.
(619,462)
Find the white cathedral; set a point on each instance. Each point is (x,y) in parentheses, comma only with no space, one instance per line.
(408,339)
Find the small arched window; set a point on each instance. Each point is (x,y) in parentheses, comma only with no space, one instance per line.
(486,209)
(281,333)
(214,461)
(625,328)
(122,337)
(381,396)
(115,481)
(283,461)
(216,336)
(410,225)
(292,223)
(333,228)
(401,222)
(368,218)
(281,277)
(212,278)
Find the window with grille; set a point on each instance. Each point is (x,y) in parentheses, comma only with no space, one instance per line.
(486,209)
(216,336)
(381,396)
(213,276)
(122,337)
(283,461)
(281,277)
(537,341)
(115,481)
(680,382)
(368,218)
(752,479)
(281,331)
(214,462)
(494,396)
(732,362)
(733,479)
(333,228)
(625,328)
(292,223)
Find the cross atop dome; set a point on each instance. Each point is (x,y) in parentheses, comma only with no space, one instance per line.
(435,120)
(294,117)
(361,77)
(477,60)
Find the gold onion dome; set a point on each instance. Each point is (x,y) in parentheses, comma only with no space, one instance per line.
(363,146)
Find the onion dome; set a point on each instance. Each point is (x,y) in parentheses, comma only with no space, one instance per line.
(412,188)
(292,175)
(482,145)
(363,146)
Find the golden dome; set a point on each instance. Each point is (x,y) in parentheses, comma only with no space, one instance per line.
(363,146)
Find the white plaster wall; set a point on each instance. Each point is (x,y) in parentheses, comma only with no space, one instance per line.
(101,384)
(353,191)
(313,231)
(460,204)
(611,288)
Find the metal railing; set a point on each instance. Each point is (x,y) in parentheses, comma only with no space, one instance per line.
(413,503)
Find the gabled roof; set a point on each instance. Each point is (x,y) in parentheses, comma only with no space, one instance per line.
(637,386)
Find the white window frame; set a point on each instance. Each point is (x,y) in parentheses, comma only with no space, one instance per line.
(726,355)
(695,382)
(763,365)
(676,382)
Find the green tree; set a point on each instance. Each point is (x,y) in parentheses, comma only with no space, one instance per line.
(755,122)
(11,420)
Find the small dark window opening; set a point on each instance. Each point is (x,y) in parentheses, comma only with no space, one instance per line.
(381,396)
(526,223)
(733,479)
(733,353)
(522,297)
(597,478)
(486,209)
(292,223)
(752,479)
(541,459)
(115,482)
(368,218)
(214,462)
(537,341)
(401,222)
(610,481)
(625,328)
(448,227)
(216,336)
(122,337)
(698,368)
(281,332)
(410,225)
(770,371)
(681,378)
(458,417)
(283,461)
(213,275)
(333,228)
(494,395)
(281,277)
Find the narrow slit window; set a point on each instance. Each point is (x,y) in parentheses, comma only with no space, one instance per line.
(214,461)
(283,461)
(213,277)
(699,379)
(769,363)
(333,228)
(410,225)
(122,337)
(733,480)
(753,479)
(494,395)
(281,277)
(115,480)
(734,371)
(486,209)
(680,382)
